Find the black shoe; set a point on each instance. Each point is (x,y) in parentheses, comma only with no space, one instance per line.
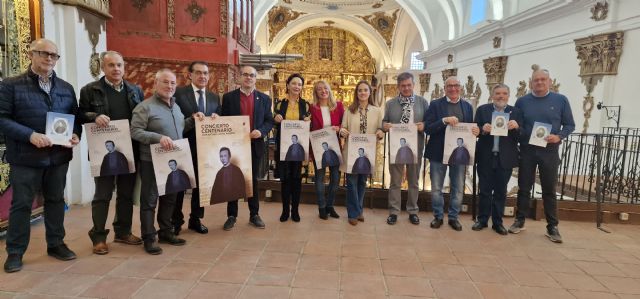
(436,223)
(554,235)
(228,225)
(284,216)
(256,221)
(332,212)
(392,219)
(478,226)
(13,263)
(197,227)
(177,229)
(322,213)
(500,229)
(455,224)
(151,247)
(170,238)
(413,218)
(61,252)
(295,216)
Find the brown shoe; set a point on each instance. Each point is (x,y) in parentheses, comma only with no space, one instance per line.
(353,221)
(361,218)
(101,248)
(129,239)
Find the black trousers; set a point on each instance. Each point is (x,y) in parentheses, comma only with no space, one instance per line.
(26,182)
(149,199)
(197,212)
(257,148)
(124,205)
(493,190)
(290,184)
(547,161)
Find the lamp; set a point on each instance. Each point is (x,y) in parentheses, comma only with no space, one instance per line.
(613,114)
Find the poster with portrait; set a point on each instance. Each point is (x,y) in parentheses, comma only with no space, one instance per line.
(59,128)
(459,144)
(539,134)
(294,140)
(499,122)
(403,144)
(361,153)
(326,148)
(173,168)
(224,159)
(110,148)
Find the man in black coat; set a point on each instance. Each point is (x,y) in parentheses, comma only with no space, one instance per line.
(191,99)
(177,180)
(114,162)
(329,156)
(496,157)
(101,101)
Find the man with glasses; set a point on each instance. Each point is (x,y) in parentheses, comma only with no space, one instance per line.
(111,98)
(36,164)
(193,98)
(246,100)
(446,111)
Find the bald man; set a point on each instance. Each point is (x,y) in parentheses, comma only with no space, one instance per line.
(36,164)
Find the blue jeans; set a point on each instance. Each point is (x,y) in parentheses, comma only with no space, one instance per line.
(355,194)
(334,178)
(437,171)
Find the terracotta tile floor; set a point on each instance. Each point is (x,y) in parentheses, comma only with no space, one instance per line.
(332,259)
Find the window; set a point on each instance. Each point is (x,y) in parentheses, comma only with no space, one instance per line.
(478,11)
(416,64)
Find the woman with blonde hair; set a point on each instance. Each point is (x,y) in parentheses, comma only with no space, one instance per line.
(326,112)
(363,118)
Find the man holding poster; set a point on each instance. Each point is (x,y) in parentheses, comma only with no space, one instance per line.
(246,100)
(446,111)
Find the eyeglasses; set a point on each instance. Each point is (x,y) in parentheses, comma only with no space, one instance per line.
(248,75)
(45,54)
(452,86)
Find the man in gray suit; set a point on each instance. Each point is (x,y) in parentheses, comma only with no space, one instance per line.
(194,98)
(403,109)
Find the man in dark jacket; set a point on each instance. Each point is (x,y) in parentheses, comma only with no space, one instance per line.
(101,101)
(36,164)
(113,162)
(496,157)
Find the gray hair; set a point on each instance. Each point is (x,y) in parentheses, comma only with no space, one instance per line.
(500,85)
(405,76)
(33,44)
(163,70)
(452,78)
(540,70)
(109,52)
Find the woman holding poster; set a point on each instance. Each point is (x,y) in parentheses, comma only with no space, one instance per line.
(293,107)
(364,118)
(326,112)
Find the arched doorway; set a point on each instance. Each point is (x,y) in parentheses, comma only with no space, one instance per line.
(331,54)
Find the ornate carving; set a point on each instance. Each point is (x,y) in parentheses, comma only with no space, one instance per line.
(94,60)
(555,86)
(469,93)
(154,35)
(522,89)
(600,54)
(495,68)
(279,17)
(391,90)
(383,23)
(497,42)
(437,92)
(588,103)
(264,85)
(448,73)
(224,19)
(425,78)
(171,18)
(100,7)
(195,10)
(600,11)
(244,39)
(23,28)
(199,39)
(140,4)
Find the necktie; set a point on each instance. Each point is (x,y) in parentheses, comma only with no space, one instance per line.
(200,101)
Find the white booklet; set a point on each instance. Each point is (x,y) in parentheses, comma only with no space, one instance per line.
(173,168)
(59,127)
(539,132)
(499,122)
(110,148)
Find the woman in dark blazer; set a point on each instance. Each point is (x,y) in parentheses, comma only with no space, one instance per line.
(326,112)
(292,107)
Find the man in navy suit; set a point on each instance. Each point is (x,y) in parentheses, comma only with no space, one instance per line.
(194,98)
(246,100)
(496,157)
(446,111)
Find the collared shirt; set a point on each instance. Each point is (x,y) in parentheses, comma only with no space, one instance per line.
(496,139)
(245,93)
(451,101)
(118,87)
(197,95)
(44,82)
(246,106)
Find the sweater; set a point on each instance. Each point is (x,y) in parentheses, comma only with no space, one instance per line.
(552,108)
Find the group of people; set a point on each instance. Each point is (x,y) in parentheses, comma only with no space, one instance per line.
(170,114)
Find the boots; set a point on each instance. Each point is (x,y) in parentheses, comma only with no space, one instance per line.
(285,209)
(295,216)
(323,213)
(332,212)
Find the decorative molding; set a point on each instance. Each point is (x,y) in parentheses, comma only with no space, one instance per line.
(450,58)
(195,10)
(600,54)
(264,85)
(140,4)
(590,83)
(495,68)
(390,90)
(497,42)
(437,92)
(469,93)
(278,18)
(94,25)
(522,89)
(446,73)
(600,11)
(171,18)
(199,39)
(244,39)
(99,7)
(23,29)
(384,24)
(154,35)
(224,19)
(424,78)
